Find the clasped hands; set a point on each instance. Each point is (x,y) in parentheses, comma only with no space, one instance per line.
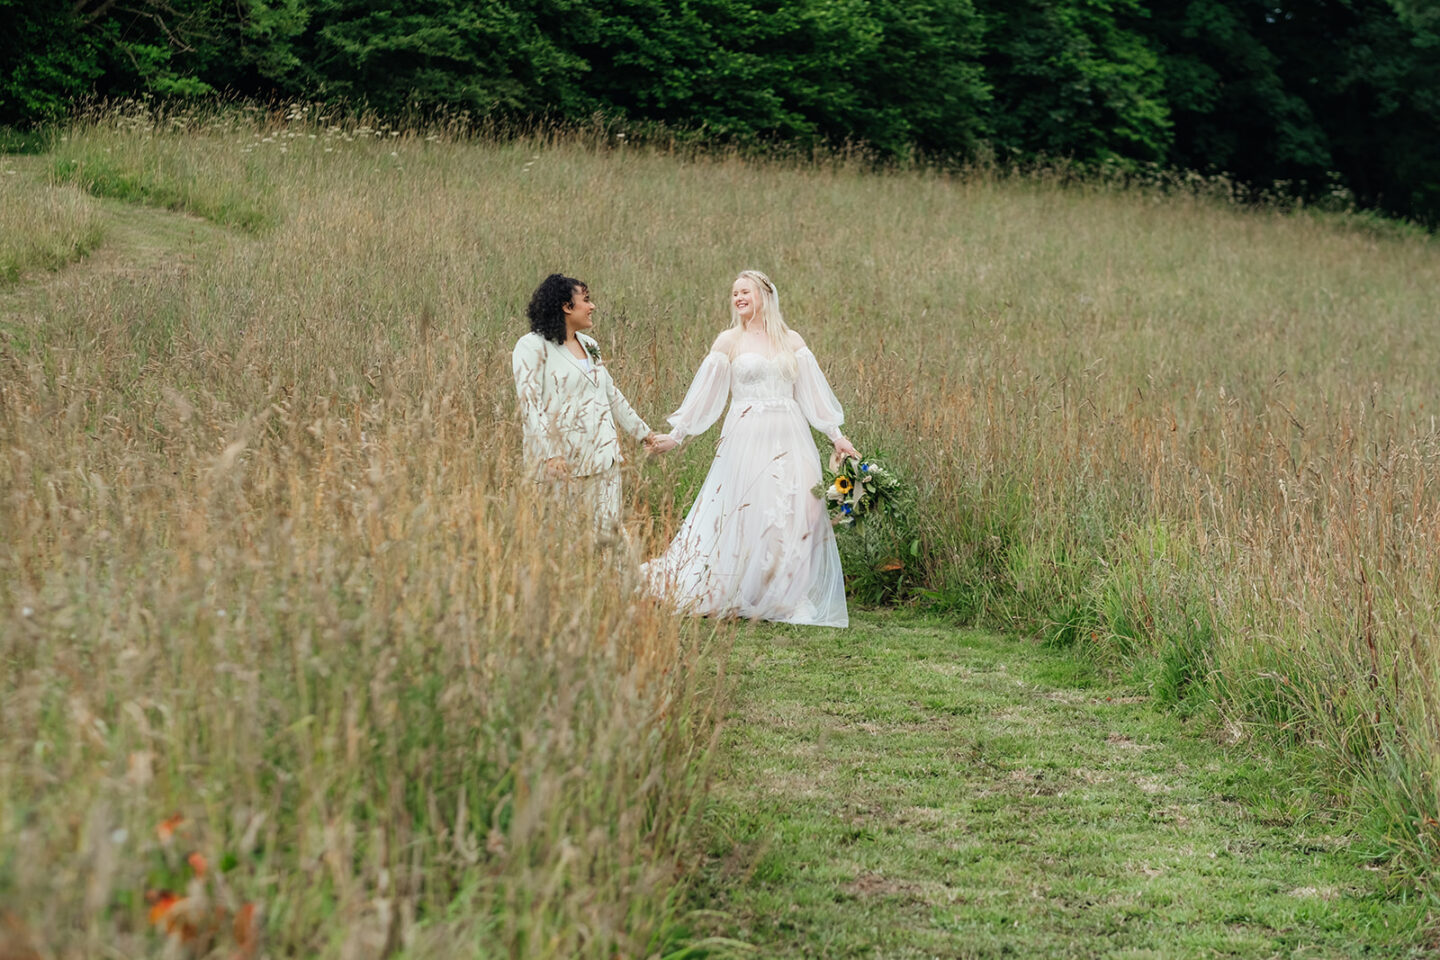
(660,443)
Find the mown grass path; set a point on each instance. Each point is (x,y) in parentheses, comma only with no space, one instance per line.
(904,789)
(142,243)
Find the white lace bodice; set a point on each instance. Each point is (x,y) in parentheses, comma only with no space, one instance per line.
(757,377)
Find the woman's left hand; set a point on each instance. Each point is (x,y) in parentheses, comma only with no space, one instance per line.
(844,448)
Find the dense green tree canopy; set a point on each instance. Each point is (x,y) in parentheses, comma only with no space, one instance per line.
(1329,97)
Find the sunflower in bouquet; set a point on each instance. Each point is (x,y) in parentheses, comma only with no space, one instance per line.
(854,488)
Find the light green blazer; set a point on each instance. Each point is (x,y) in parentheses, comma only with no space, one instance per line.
(568,411)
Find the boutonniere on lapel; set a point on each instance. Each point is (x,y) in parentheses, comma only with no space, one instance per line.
(594,353)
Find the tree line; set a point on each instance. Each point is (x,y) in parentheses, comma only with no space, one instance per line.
(1327,98)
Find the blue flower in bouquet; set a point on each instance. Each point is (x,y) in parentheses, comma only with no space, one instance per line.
(854,489)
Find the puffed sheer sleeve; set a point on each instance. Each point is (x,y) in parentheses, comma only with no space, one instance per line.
(705,400)
(527,364)
(817,401)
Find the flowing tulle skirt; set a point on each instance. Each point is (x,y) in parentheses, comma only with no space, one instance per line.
(757,543)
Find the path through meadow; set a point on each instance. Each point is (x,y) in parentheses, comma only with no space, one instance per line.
(905,789)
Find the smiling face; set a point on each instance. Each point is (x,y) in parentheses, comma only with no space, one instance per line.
(578,310)
(745,298)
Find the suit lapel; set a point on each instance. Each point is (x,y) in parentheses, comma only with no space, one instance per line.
(578,363)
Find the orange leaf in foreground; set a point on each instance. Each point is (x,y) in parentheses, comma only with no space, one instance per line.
(198,863)
(177,916)
(168,826)
(15,940)
(247,933)
(160,903)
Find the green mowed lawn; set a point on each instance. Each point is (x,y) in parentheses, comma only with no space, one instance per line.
(904,789)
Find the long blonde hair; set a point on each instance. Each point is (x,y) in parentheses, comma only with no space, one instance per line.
(768,305)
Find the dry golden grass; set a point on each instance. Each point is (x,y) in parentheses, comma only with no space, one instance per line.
(337,641)
(1181,429)
(43,226)
(299,602)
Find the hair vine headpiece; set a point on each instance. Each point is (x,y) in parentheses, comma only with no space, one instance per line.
(762,278)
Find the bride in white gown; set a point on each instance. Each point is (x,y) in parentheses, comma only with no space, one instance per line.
(758,543)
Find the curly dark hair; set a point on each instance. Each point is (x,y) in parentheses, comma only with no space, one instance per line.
(547,303)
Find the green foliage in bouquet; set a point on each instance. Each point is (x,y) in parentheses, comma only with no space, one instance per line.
(855,488)
(879,556)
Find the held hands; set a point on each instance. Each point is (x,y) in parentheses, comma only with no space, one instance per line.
(657,443)
(556,468)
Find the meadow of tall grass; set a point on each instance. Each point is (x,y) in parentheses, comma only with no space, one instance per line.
(283,636)
(267,564)
(43,225)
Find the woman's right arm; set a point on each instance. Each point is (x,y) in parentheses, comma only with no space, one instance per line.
(705,400)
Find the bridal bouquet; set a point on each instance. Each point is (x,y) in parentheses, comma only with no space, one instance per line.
(855,488)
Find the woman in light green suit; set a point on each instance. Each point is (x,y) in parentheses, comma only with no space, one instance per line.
(572,411)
